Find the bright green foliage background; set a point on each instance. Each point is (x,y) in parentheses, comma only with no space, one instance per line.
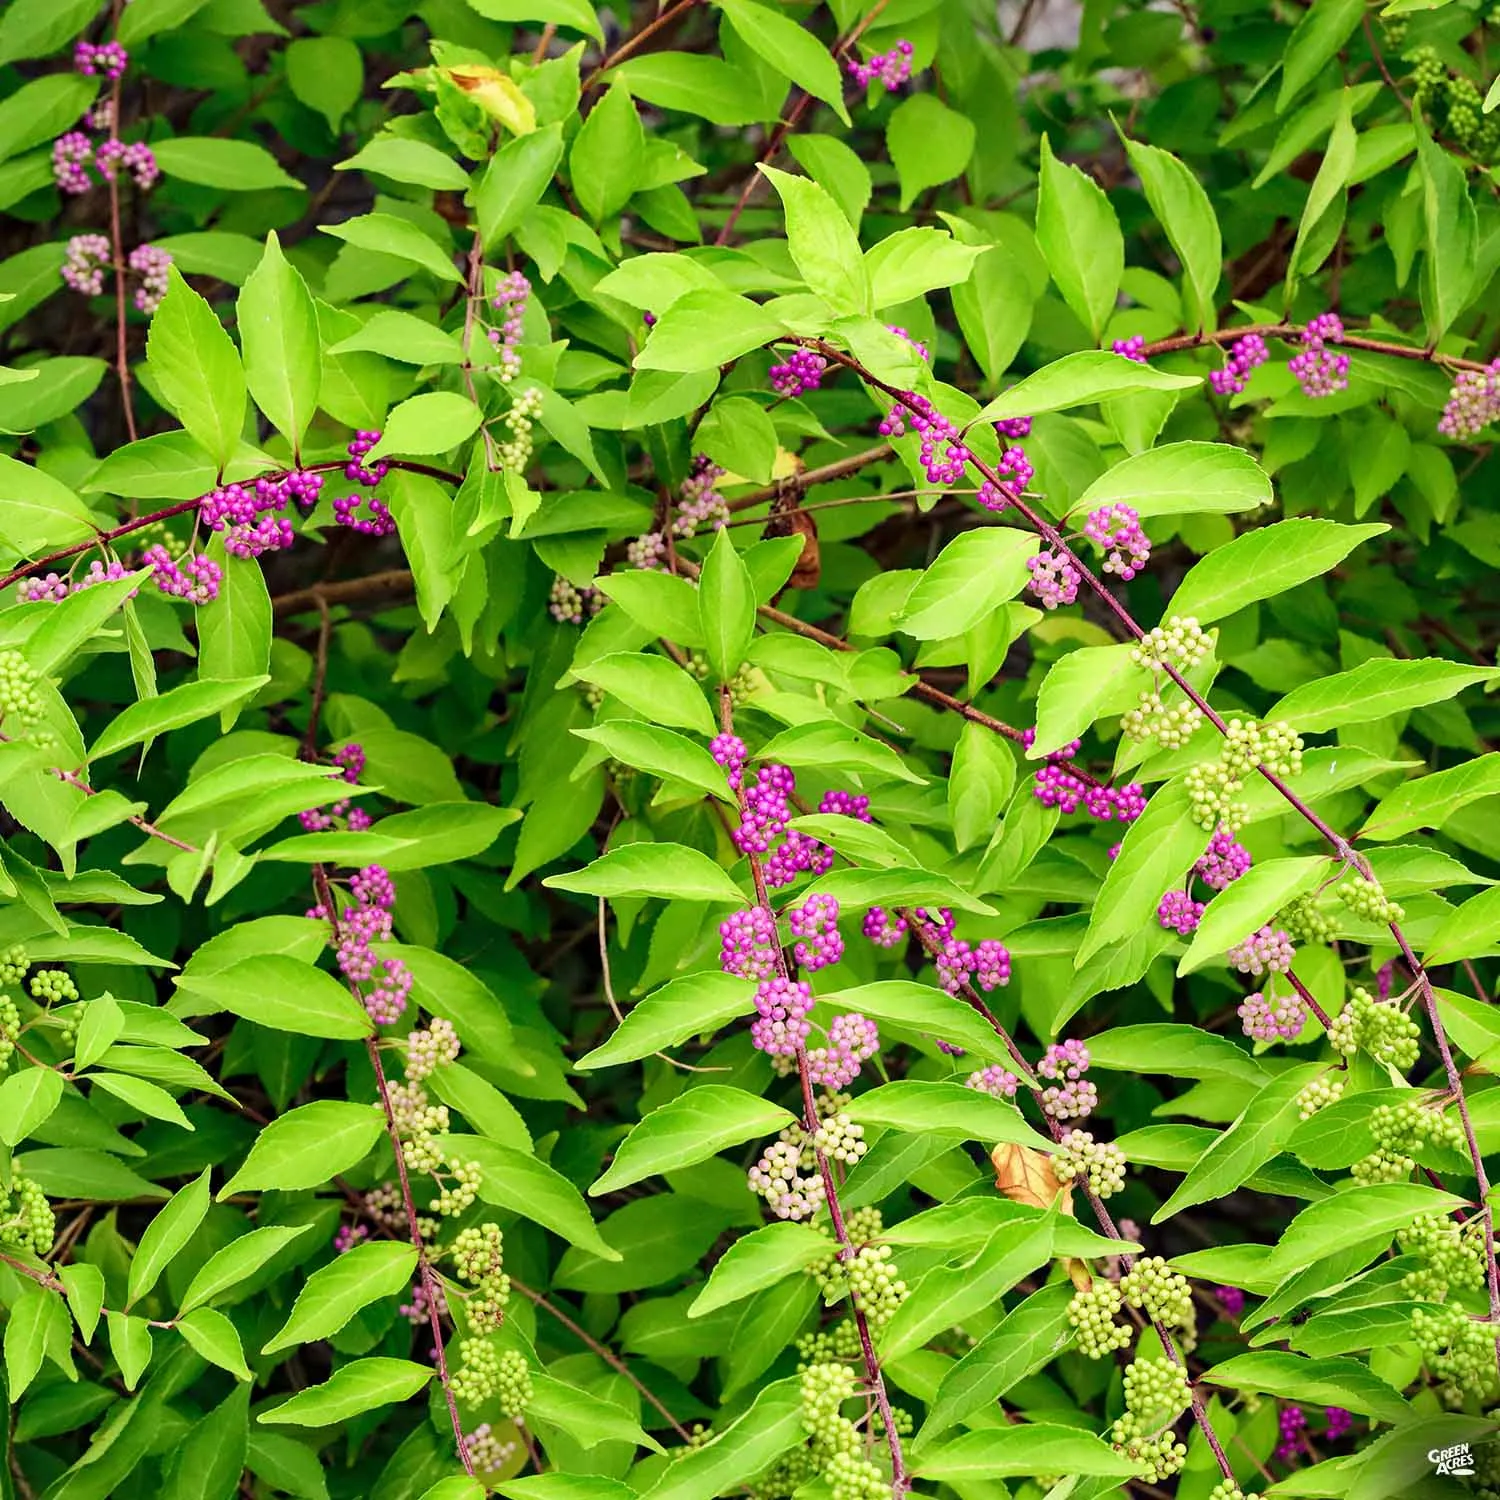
(335,204)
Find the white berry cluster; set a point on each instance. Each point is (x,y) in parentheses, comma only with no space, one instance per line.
(429,1047)
(1214,787)
(841,1138)
(515,452)
(1182,641)
(1100,1163)
(422,1127)
(1171,727)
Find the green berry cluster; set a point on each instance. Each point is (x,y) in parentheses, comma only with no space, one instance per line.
(1164,1293)
(1381,1028)
(10,1029)
(1100,1163)
(51,987)
(484,1371)
(1322,1092)
(1226,1489)
(828,1345)
(1156,1391)
(1159,1454)
(1366,899)
(1171,727)
(869,1276)
(1458,1350)
(1450,1256)
(21,704)
(14,963)
(1092,1314)
(836,1446)
(1304,921)
(479,1259)
(1214,787)
(1411,1124)
(26,1218)
(1182,641)
(1382,1166)
(1453,106)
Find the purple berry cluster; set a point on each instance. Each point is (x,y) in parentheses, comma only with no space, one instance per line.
(1267,1020)
(348,1236)
(922,353)
(511,298)
(815,925)
(730,752)
(698,501)
(110,59)
(884,929)
(1071,1096)
(1245,354)
(1231,1299)
(1054,579)
(1056,786)
(1178,912)
(192,577)
(346,508)
(1473,403)
(350,763)
(958,962)
(747,943)
(1133,348)
(1319,371)
(767,809)
(250,517)
(137,158)
(1266,951)
(1290,1422)
(85,262)
(1223,862)
(53,586)
(74,152)
(1116,530)
(891,68)
(802,371)
(852,1039)
(360,925)
(780,1027)
(1340,1423)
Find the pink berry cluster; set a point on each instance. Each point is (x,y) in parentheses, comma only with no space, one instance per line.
(958,962)
(1056,786)
(348,1236)
(360,925)
(698,501)
(1266,951)
(1319,371)
(943,456)
(891,68)
(730,752)
(110,59)
(852,1040)
(802,371)
(1223,862)
(994,1080)
(350,763)
(1178,912)
(1116,530)
(1268,1020)
(1473,403)
(747,943)
(780,1026)
(1071,1096)
(151,264)
(1133,348)
(193,577)
(511,297)
(1054,578)
(1245,354)
(815,925)
(346,508)
(53,586)
(85,262)
(73,153)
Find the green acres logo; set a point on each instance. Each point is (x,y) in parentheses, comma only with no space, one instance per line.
(1458,1459)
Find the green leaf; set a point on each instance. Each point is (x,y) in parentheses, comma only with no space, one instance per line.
(40,512)
(284,994)
(167,1235)
(197,369)
(743,1450)
(1452,235)
(1173,1050)
(229,165)
(1080,379)
(576,15)
(704,329)
(237,1262)
(790,49)
(143,1097)
(922,1011)
(442,833)
(583,1415)
(278,326)
(688,1129)
(514,181)
(1430,801)
(980,784)
(759,1260)
(948,1295)
(307,1147)
(1350,1218)
(1158,849)
(970,578)
(1469,932)
(212,1334)
(1025,1339)
(36,28)
(1186,215)
(480,1103)
(1325,204)
(837,747)
(671,871)
(335,1292)
(686,1007)
(652,685)
(1376,689)
(1079,234)
(824,246)
(130,1343)
(740,437)
(1316,39)
(327,74)
(1245,905)
(84,1287)
(389,235)
(929,144)
(862,889)
(234,637)
(558,1486)
(912,262)
(76,620)
(185,704)
(530,1188)
(1020,1451)
(608,160)
(726,607)
(209,1462)
(1328,1382)
(1258,1133)
(434,422)
(946,1109)
(27,1100)
(1181,479)
(406,160)
(1080,688)
(357,1387)
(1263,563)
(37,1321)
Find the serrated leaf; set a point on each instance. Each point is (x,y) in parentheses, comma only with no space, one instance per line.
(1246,904)
(357,1387)
(671,871)
(686,1007)
(307,1147)
(167,1235)
(335,1292)
(284,994)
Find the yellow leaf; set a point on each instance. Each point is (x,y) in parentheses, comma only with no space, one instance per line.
(497,95)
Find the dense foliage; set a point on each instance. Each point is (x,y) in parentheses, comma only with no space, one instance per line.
(745,750)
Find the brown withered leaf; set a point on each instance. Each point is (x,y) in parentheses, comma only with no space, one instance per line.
(1025,1176)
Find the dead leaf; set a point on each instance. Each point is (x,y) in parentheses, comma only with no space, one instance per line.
(1025,1176)
(497,95)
